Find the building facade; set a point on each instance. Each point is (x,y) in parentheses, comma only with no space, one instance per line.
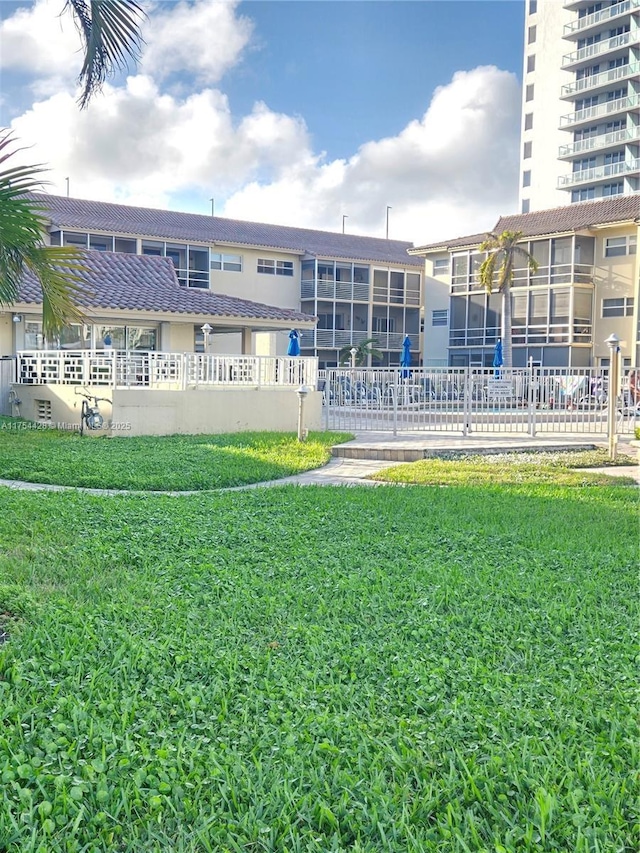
(587,287)
(358,288)
(581,102)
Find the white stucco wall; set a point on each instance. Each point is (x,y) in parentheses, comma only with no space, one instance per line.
(136,411)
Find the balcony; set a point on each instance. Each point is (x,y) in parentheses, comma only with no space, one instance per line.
(600,48)
(576,29)
(598,173)
(342,291)
(606,109)
(600,81)
(599,143)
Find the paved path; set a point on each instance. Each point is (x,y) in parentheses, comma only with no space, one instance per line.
(341,471)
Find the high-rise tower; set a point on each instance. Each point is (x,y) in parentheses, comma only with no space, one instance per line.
(581,102)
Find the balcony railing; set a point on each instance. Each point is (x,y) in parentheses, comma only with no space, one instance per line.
(595,143)
(598,173)
(596,81)
(345,291)
(596,49)
(600,17)
(338,338)
(607,108)
(162,370)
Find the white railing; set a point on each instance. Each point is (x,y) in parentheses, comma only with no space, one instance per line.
(607,108)
(600,16)
(595,49)
(603,140)
(162,370)
(598,173)
(585,84)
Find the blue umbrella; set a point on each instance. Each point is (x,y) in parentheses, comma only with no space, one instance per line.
(405,358)
(497,356)
(294,343)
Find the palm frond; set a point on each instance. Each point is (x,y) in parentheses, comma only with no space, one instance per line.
(58,268)
(110,32)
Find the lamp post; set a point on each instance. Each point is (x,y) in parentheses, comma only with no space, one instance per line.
(206,331)
(613,342)
(354,353)
(302,395)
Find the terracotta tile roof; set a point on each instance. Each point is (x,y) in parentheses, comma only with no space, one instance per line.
(572,217)
(123,282)
(557,220)
(79,214)
(457,243)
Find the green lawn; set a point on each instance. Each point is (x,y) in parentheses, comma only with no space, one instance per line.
(560,469)
(177,462)
(320,669)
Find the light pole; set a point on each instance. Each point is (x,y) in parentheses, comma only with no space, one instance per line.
(206,331)
(613,342)
(302,395)
(354,353)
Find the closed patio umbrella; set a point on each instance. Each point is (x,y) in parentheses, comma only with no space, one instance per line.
(497,356)
(294,343)
(405,357)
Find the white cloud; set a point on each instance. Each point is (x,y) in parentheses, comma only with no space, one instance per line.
(204,39)
(454,169)
(42,42)
(134,143)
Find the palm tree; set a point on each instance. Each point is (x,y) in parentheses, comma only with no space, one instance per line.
(22,225)
(496,273)
(364,350)
(110,33)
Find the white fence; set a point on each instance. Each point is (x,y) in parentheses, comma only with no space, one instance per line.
(161,370)
(465,400)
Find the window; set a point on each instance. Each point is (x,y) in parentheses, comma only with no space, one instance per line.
(70,238)
(585,194)
(620,307)
(526,205)
(533,7)
(616,246)
(152,247)
(531,35)
(441,266)
(613,189)
(614,157)
(531,63)
(331,321)
(528,121)
(529,92)
(100,243)
(384,324)
(526,178)
(526,151)
(440,317)
(228,263)
(272,267)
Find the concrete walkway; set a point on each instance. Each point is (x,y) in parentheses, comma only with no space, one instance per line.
(353,462)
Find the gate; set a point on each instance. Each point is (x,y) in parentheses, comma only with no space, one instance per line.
(464,400)
(7,377)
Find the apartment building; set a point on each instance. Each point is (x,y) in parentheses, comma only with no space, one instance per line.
(356,287)
(581,102)
(587,287)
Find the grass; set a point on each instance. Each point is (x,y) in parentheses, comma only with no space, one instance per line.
(178,462)
(323,669)
(560,469)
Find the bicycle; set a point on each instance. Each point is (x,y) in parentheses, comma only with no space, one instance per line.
(90,414)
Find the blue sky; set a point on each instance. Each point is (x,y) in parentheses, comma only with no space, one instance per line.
(291,111)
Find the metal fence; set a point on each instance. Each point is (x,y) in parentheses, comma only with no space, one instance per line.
(161,370)
(465,400)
